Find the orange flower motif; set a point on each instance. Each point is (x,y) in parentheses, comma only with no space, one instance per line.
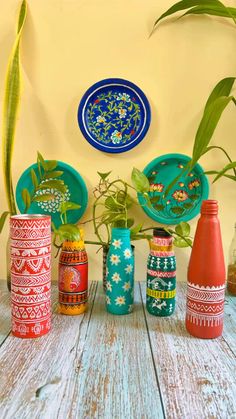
(156,187)
(181,184)
(194,184)
(180,166)
(180,195)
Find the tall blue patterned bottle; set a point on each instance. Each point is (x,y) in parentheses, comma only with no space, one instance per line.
(120,273)
(161,275)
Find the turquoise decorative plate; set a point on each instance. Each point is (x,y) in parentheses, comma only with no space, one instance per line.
(114,115)
(76,192)
(184,199)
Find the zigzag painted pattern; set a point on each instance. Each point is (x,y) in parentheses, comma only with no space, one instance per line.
(31,244)
(30,281)
(30,234)
(209,309)
(36,223)
(30,299)
(208,296)
(160,274)
(31,313)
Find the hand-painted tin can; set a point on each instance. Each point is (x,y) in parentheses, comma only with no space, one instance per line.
(30,267)
(73,278)
(161,275)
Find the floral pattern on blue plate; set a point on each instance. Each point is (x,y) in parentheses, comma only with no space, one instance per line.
(114,115)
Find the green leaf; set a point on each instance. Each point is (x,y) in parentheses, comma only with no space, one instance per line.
(111,204)
(50,165)
(3,219)
(223,88)
(136,229)
(103,176)
(228,12)
(10,109)
(34,178)
(183,229)
(45,197)
(186,4)
(187,205)
(40,159)
(140,181)
(130,222)
(177,210)
(69,232)
(154,199)
(193,197)
(178,242)
(26,198)
(52,175)
(53,184)
(68,205)
(159,207)
(229,166)
(207,126)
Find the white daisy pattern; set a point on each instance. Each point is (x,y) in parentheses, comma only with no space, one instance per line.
(127,253)
(109,286)
(117,243)
(127,286)
(129,269)
(107,271)
(116,277)
(108,300)
(115,259)
(120,301)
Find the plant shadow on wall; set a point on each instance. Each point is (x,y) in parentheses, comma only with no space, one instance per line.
(219,98)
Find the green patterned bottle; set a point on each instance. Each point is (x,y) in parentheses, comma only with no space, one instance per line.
(161,275)
(120,273)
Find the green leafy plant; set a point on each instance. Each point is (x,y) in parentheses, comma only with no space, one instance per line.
(66,231)
(113,207)
(219,98)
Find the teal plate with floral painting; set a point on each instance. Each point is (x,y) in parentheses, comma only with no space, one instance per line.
(114,115)
(183,201)
(76,191)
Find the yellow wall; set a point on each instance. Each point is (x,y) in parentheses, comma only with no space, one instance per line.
(68,45)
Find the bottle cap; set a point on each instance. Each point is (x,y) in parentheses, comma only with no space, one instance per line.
(209,206)
(160,232)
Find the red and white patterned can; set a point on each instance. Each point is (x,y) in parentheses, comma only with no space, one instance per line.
(30,275)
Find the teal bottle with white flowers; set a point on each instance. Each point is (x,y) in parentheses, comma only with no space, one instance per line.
(120,273)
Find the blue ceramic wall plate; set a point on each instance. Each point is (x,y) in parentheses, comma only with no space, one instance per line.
(183,201)
(114,115)
(76,192)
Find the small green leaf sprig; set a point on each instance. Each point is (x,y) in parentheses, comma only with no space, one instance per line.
(47,178)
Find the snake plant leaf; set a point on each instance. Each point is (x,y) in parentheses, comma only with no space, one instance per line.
(10,108)
(207,126)
(187,4)
(3,219)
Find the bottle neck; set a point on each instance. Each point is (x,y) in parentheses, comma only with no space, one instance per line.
(209,207)
(120,232)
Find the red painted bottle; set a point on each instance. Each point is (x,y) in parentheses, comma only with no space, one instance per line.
(206,277)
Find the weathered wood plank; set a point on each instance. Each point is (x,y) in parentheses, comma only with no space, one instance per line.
(229,331)
(5,311)
(197,377)
(116,377)
(33,372)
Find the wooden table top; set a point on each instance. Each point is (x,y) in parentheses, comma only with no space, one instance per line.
(98,365)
